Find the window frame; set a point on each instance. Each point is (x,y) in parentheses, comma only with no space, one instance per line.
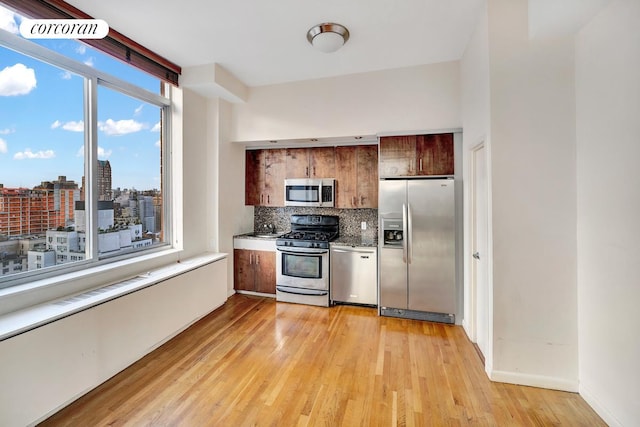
(92,79)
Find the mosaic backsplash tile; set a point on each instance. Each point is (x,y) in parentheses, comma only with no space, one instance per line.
(350,219)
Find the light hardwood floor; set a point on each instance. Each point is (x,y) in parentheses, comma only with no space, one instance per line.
(258,362)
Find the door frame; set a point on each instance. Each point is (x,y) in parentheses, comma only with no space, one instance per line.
(473,286)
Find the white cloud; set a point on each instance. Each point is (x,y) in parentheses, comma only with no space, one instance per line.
(120,127)
(3,146)
(138,110)
(102,153)
(156,127)
(70,126)
(89,62)
(81,49)
(17,80)
(8,21)
(66,75)
(158,143)
(74,126)
(6,131)
(28,154)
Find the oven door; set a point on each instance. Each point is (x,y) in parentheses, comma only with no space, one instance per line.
(304,268)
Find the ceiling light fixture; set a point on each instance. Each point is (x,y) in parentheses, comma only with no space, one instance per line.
(328,37)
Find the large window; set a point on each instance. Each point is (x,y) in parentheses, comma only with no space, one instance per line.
(82,157)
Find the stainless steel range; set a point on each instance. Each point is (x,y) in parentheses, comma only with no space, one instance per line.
(303,260)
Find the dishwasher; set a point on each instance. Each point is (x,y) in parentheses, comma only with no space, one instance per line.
(354,275)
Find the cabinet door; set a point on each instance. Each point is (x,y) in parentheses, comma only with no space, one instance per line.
(297,163)
(367,176)
(254,177)
(243,274)
(322,163)
(275,172)
(265,271)
(397,156)
(346,176)
(435,154)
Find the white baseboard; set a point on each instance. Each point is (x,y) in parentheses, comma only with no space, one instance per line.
(597,406)
(541,381)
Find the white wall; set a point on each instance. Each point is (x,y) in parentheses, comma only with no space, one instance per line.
(47,368)
(233,216)
(608,129)
(475,104)
(415,98)
(533,168)
(199,190)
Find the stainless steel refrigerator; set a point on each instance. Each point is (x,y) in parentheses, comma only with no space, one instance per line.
(417,254)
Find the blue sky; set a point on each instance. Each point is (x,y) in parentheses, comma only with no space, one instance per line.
(41,119)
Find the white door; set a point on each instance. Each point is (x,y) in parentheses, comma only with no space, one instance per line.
(479,276)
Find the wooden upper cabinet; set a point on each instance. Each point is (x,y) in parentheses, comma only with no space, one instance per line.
(275,173)
(297,163)
(346,177)
(368,176)
(317,162)
(264,177)
(397,155)
(357,176)
(416,155)
(434,154)
(253,177)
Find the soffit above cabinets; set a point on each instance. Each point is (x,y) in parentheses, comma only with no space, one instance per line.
(311,142)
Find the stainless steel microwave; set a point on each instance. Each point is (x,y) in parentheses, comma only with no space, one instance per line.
(309,192)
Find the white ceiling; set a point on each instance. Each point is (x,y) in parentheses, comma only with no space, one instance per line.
(264,42)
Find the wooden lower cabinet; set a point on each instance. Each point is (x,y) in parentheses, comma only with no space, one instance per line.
(254,271)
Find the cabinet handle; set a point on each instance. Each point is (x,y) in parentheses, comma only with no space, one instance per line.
(420,164)
(306,171)
(268,199)
(314,171)
(250,258)
(261,198)
(257,259)
(361,200)
(353,201)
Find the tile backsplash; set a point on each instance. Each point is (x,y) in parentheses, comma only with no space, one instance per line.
(350,219)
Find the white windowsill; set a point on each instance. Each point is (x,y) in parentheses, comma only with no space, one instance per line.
(18,322)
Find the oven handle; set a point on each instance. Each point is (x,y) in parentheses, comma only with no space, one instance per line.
(303,251)
(301,291)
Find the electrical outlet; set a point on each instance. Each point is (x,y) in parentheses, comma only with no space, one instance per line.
(363,225)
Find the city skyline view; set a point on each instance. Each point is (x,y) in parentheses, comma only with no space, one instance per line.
(42,118)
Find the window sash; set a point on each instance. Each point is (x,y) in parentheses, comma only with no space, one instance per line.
(94,78)
(114,44)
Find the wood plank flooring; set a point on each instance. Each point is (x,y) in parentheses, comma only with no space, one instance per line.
(255,362)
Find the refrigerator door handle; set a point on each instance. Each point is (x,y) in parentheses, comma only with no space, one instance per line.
(409,234)
(404,233)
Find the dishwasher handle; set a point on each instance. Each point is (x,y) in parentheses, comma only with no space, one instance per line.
(348,250)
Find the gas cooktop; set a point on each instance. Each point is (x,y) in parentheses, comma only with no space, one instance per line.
(310,231)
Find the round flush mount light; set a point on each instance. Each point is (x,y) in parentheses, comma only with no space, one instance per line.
(328,37)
